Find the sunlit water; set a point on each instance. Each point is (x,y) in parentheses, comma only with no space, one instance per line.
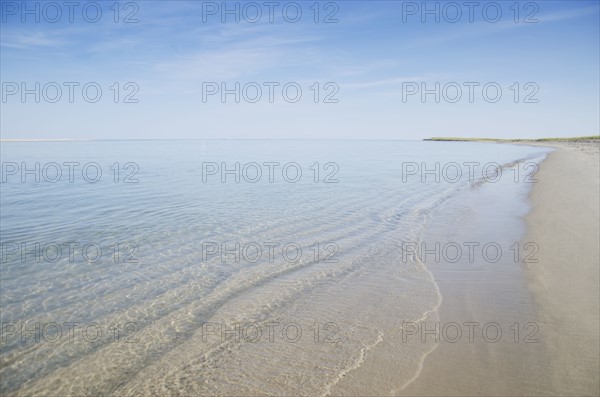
(151,320)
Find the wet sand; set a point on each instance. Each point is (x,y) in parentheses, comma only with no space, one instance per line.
(562,297)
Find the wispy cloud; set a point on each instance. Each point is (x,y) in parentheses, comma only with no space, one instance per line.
(569,14)
(27,40)
(387,82)
(483,28)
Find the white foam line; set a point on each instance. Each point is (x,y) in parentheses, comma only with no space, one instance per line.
(363,351)
(357,364)
(422,319)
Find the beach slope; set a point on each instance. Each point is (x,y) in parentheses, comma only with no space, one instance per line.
(565,223)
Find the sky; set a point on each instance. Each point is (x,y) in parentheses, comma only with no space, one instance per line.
(299,70)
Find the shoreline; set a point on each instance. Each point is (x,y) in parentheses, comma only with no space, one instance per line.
(483,293)
(562,288)
(564,222)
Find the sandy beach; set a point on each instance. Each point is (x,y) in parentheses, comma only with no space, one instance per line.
(565,223)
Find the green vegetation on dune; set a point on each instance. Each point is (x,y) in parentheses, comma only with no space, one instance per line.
(577,138)
(457,139)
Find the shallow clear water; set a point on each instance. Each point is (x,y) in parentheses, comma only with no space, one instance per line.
(154,317)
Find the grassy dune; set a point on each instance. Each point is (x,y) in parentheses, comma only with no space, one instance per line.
(572,139)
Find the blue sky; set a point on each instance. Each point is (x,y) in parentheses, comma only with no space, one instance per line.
(373,54)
